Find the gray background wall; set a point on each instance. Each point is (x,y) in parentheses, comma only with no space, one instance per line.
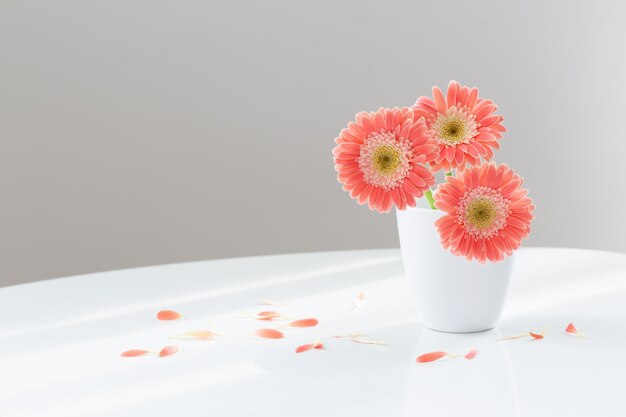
(138,132)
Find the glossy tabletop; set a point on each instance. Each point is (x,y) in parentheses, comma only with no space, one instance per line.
(60,342)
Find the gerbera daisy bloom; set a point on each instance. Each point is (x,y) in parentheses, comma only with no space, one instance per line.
(487,212)
(380,158)
(464,125)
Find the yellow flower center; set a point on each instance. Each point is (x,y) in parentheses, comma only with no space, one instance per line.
(453,130)
(481,213)
(386,159)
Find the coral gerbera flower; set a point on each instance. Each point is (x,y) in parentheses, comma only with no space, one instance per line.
(487,212)
(464,125)
(380,158)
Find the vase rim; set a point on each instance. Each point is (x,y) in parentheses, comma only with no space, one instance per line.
(422,209)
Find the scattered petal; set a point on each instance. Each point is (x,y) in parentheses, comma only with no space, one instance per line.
(359,338)
(196,334)
(269,333)
(269,302)
(309,346)
(471,354)
(571,330)
(431,357)
(168,315)
(304,348)
(358,301)
(168,350)
(135,352)
(370,342)
(517,336)
(268,315)
(304,323)
(535,336)
(347,336)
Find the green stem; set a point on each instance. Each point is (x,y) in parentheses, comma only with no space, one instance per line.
(429,197)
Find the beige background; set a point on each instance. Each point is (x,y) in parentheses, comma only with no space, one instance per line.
(139,132)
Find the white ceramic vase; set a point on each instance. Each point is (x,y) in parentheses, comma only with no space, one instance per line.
(455,295)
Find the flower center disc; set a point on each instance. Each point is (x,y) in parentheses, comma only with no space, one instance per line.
(386,159)
(453,130)
(481,213)
(456,126)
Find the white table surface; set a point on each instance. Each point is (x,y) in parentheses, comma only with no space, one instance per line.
(60,342)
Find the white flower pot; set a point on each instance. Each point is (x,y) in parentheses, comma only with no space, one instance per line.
(455,295)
